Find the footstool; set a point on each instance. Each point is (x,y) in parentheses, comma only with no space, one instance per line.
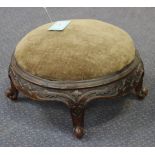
(87,60)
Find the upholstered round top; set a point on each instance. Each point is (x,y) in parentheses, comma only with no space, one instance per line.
(85,49)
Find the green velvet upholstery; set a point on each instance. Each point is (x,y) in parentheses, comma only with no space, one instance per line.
(85,49)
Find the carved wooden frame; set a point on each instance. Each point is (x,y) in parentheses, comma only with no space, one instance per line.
(76,94)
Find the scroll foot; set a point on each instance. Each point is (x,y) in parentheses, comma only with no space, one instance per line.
(142,93)
(77,115)
(12,92)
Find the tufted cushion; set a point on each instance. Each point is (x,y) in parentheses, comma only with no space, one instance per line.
(85,49)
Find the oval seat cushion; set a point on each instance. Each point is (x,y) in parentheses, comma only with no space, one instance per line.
(85,49)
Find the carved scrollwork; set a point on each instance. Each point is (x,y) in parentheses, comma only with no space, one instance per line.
(77,95)
(117,88)
(37,92)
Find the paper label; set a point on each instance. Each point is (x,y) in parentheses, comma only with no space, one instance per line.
(59,25)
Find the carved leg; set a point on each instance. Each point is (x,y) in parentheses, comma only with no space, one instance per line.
(140,90)
(12,92)
(77,115)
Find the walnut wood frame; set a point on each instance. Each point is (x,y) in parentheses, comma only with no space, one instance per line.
(76,94)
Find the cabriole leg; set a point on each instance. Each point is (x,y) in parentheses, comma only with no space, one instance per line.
(140,90)
(12,92)
(77,114)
